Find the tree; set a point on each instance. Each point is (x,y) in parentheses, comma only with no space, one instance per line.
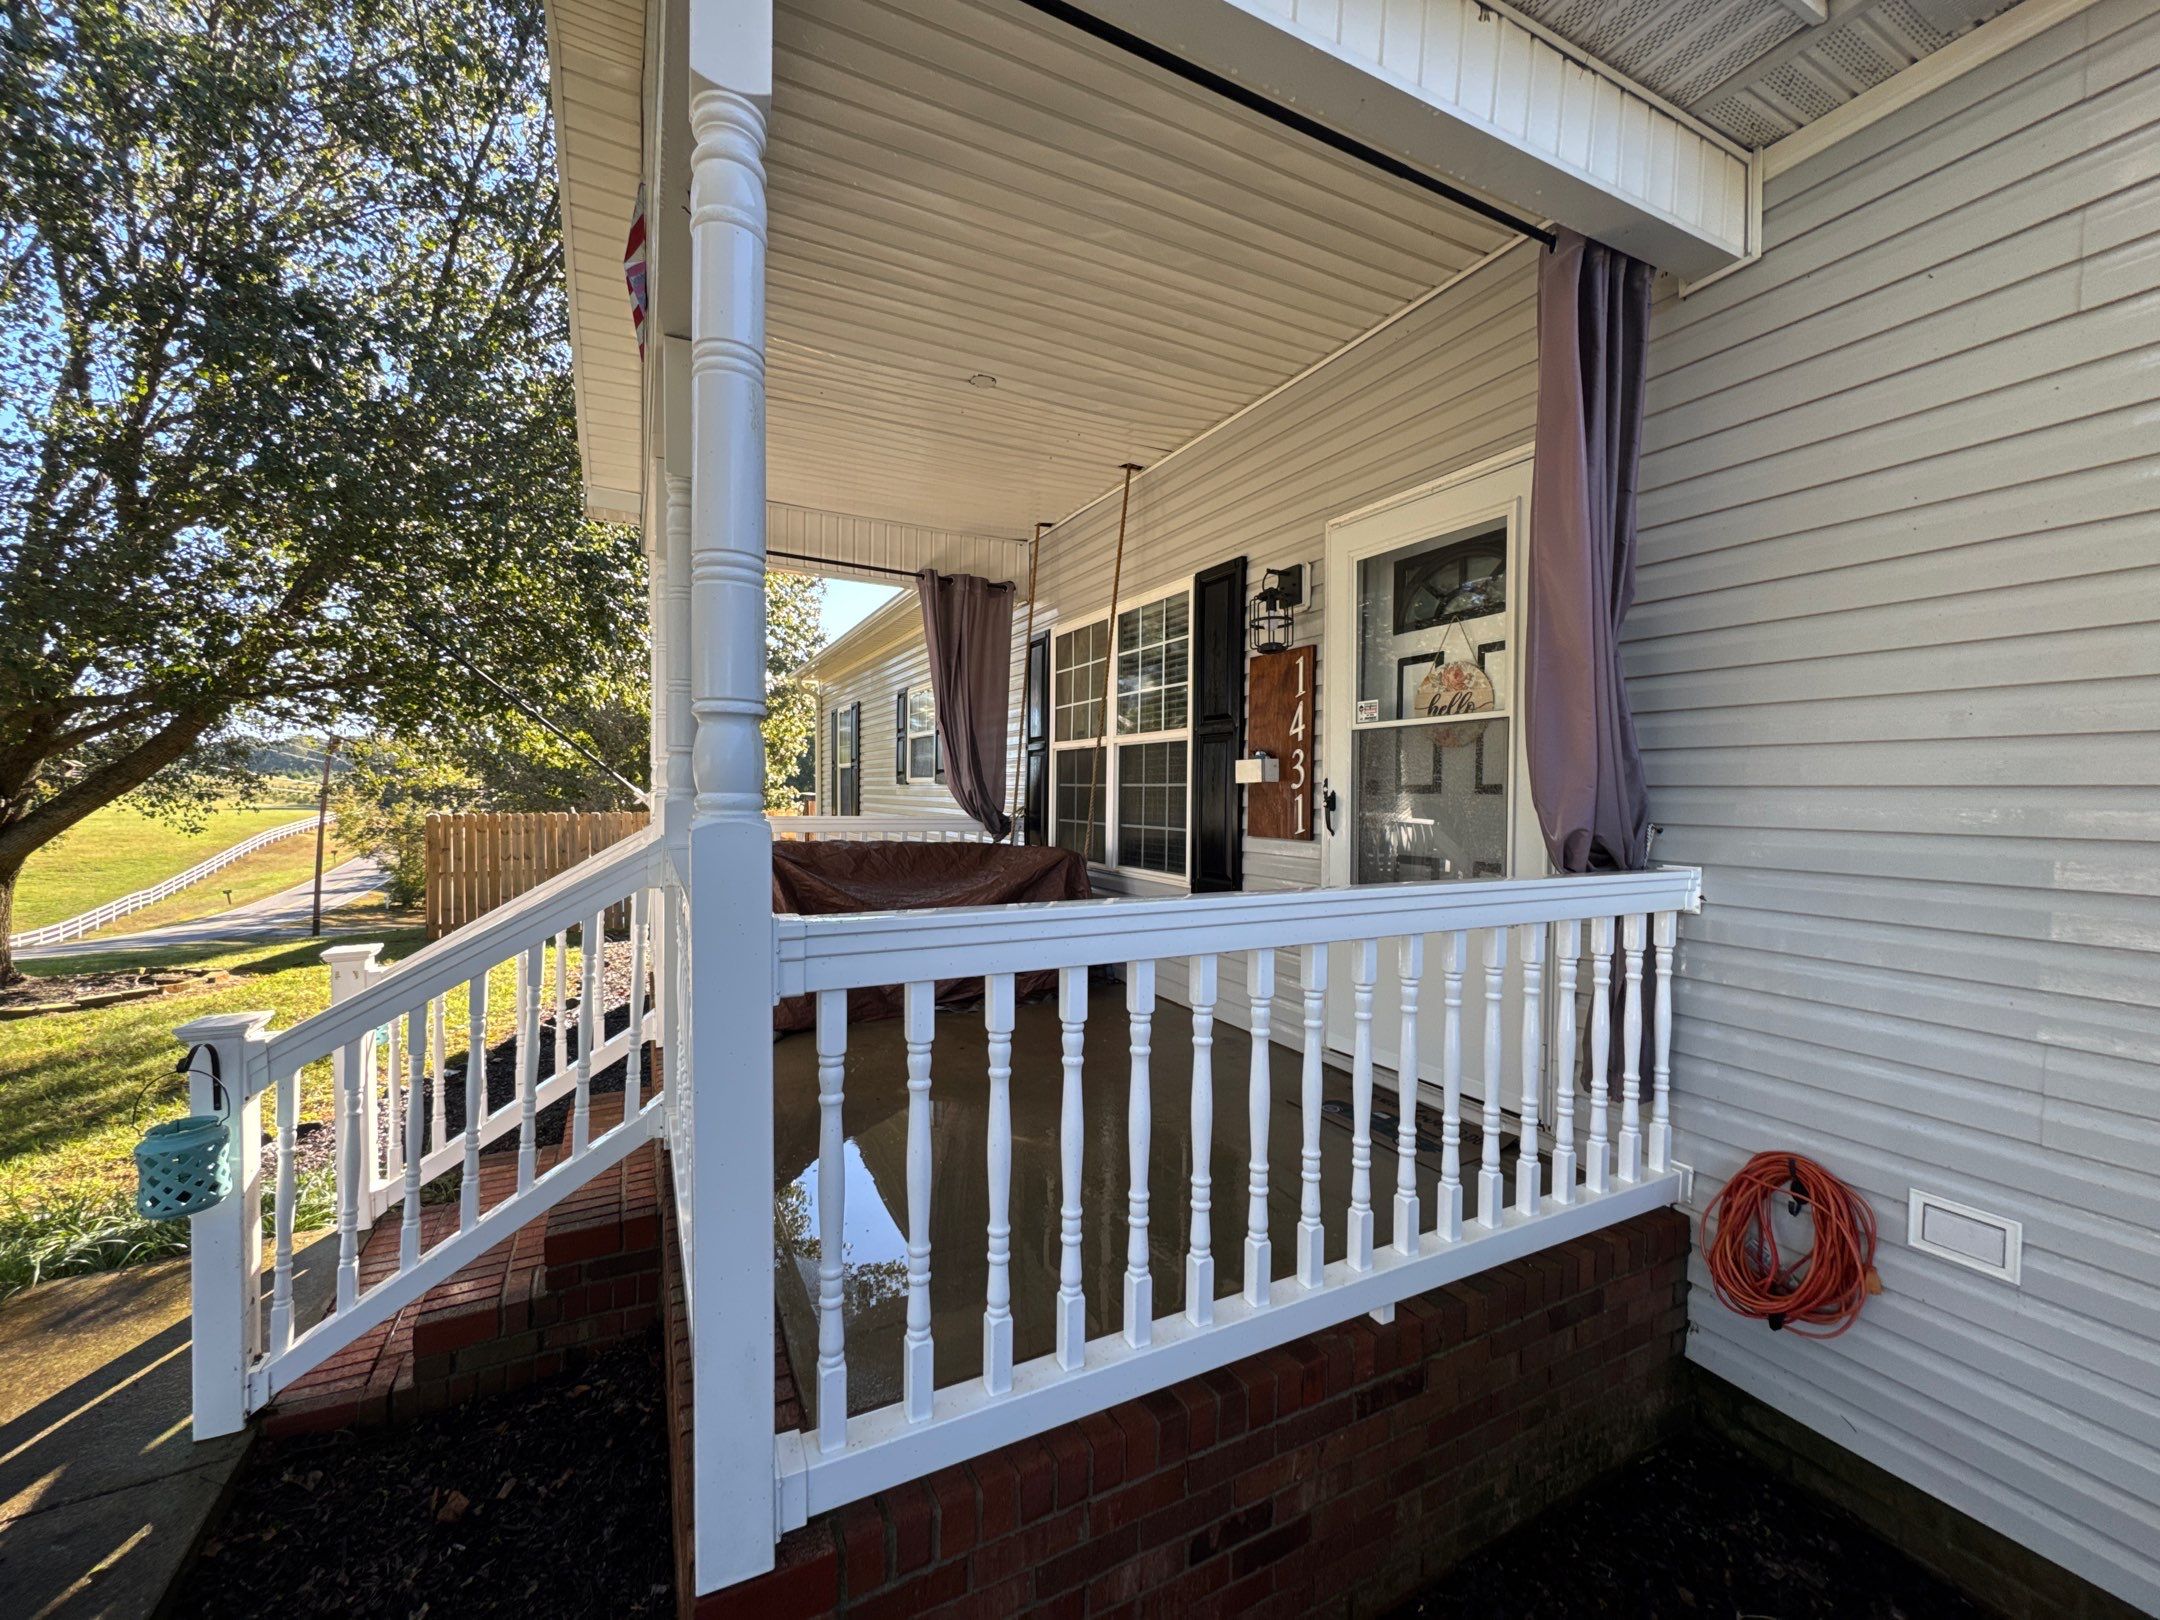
(794,611)
(283,337)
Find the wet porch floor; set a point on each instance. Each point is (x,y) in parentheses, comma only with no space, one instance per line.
(874,1116)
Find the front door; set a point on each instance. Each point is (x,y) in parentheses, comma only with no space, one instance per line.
(1422,738)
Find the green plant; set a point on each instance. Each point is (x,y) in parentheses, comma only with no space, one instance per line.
(75,1233)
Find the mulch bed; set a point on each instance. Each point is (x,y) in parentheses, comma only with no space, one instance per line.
(1691,1528)
(549,1502)
(69,992)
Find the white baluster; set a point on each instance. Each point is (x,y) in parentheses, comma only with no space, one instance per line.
(591,1029)
(832,1222)
(1202,985)
(1139,1117)
(1311,1234)
(1631,1053)
(439,1025)
(997,1301)
(919,1366)
(1661,1046)
(1072,1302)
(1364,972)
(1492,1189)
(1563,1159)
(476,1003)
(528,1061)
(393,1156)
(1259,1256)
(633,1075)
(1453,959)
(353,1165)
(416,1035)
(1410,966)
(1529,1169)
(560,1047)
(1597,1173)
(281,1290)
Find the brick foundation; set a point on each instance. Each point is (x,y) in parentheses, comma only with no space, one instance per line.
(2001,1575)
(1333,1476)
(584,1274)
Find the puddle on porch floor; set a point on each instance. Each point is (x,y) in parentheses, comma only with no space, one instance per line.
(875,1119)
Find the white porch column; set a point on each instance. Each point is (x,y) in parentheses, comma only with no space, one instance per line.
(730,850)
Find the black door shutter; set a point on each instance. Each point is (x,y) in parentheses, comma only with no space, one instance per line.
(899,747)
(1218,727)
(1035,743)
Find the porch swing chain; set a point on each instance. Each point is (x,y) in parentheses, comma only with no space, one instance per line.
(1017,833)
(1102,731)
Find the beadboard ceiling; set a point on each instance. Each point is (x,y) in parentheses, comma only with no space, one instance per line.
(964,189)
(1757,70)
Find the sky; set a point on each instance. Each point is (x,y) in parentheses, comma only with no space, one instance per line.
(848,602)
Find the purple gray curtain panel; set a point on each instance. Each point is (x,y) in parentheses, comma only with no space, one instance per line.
(967,622)
(1586,772)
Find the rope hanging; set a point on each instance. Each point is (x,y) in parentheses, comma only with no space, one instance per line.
(1102,731)
(1027,685)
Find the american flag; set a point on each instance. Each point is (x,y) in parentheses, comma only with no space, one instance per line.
(633,264)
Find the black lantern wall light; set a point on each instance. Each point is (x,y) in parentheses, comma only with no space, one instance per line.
(1272,622)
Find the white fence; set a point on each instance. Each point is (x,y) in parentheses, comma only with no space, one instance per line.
(1612,935)
(387,1033)
(89,922)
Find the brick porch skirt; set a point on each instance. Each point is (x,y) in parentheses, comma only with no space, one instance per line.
(1332,1476)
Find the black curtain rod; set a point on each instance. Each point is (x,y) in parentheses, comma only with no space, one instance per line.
(1253,101)
(860,568)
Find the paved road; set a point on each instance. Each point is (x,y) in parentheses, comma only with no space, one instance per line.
(277,915)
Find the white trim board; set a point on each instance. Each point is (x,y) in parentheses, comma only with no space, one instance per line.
(1975,49)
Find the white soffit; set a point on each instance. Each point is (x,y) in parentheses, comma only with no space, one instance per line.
(965,188)
(1467,90)
(1758,70)
(596,78)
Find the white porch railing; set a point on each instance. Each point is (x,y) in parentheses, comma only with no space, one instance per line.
(387,1033)
(863,829)
(1576,1176)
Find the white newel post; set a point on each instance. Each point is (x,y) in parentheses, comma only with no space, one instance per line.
(730,855)
(225,1241)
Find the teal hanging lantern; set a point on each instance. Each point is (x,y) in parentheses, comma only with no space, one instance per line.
(184,1166)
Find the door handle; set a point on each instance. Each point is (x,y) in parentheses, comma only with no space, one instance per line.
(1327,805)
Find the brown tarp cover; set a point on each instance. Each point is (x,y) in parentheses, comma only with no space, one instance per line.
(817,878)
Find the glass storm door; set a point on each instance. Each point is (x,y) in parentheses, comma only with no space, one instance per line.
(1421,742)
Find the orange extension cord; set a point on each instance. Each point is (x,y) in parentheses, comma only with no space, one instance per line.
(1818,1292)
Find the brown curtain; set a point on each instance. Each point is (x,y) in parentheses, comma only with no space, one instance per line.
(1586,771)
(968,623)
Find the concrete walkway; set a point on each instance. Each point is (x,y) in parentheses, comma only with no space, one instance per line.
(283,913)
(104,1493)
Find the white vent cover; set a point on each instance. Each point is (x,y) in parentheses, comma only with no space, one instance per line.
(1968,1236)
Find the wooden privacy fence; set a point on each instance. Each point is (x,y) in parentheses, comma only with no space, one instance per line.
(478,862)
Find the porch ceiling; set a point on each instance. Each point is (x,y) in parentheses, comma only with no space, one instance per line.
(963,188)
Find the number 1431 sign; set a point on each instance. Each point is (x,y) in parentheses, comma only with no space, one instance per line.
(1279,721)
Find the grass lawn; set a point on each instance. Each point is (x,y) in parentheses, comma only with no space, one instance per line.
(118,849)
(80,1088)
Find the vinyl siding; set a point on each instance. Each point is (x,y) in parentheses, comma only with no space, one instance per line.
(1897,675)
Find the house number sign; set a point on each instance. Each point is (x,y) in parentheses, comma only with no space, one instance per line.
(1279,721)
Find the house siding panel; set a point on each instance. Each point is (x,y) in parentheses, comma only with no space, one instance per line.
(1894,659)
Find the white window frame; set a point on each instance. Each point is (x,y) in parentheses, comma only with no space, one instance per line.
(1114,740)
(930,731)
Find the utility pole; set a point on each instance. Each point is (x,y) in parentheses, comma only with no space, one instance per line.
(322,822)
